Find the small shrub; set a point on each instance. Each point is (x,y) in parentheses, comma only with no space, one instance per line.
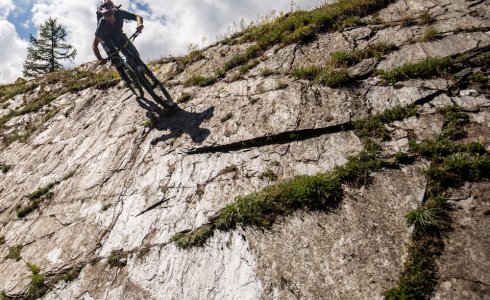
(200,81)
(407,21)
(268,72)
(5,168)
(14,252)
(71,274)
(403,158)
(2,240)
(196,238)
(226,117)
(426,18)
(37,286)
(478,77)
(281,85)
(184,97)
(144,251)
(42,192)
(325,76)
(342,58)
(428,218)
(23,211)
(351,22)
(117,258)
(229,169)
(430,34)
(245,68)
(220,73)
(269,175)
(68,175)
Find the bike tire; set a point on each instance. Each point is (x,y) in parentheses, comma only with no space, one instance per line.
(152,85)
(133,83)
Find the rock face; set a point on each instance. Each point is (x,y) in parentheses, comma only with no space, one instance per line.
(124,177)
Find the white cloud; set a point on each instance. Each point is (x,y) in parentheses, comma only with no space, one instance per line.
(6,6)
(12,52)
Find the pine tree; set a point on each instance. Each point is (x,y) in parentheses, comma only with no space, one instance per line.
(44,52)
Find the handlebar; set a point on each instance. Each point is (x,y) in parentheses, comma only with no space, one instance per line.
(134,36)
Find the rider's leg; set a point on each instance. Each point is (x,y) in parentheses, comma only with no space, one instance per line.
(111,49)
(122,40)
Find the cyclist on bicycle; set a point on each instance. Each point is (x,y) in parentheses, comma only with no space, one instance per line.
(109,32)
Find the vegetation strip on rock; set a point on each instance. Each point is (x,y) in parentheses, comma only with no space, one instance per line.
(299,27)
(452,164)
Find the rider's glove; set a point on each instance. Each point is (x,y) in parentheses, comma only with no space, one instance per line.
(140,27)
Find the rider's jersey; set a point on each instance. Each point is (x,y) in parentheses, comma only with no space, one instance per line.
(105,30)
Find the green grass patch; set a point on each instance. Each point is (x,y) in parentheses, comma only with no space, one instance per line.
(201,81)
(427,68)
(4,168)
(349,58)
(196,238)
(374,126)
(117,258)
(41,192)
(248,66)
(184,97)
(14,252)
(37,286)
(430,34)
(452,164)
(20,87)
(269,175)
(323,75)
(319,192)
(478,77)
(303,26)
(188,59)
(71,274)
(431,217)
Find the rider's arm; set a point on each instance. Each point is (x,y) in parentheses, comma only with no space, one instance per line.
(95,48)
(139,21)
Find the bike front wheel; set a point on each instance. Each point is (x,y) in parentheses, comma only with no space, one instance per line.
(132,82)
(154,87)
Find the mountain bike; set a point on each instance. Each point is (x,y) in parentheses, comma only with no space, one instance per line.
(139,76)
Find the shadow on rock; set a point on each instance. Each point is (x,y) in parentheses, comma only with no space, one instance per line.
(178,122)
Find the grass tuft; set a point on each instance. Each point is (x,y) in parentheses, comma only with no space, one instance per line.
(323,75)
(427,68)
(430,34)
(200,81)
(195,238)
(117,258)
(184,97)
(14,252)
(4,168)
(374,126)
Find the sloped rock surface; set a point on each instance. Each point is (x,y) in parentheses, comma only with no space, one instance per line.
(126,176)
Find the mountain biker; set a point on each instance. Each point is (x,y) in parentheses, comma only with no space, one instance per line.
(110,34)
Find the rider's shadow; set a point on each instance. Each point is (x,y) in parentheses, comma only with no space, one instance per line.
(177,123)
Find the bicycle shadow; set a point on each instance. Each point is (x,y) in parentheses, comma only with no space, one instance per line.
(177,123)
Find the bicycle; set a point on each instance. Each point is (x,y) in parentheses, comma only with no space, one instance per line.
(139,76)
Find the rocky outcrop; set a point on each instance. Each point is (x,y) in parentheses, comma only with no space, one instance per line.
(121,176)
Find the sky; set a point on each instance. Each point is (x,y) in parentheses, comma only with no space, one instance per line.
(171,27)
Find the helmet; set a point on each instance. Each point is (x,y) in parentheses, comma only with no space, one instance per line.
(106,8)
